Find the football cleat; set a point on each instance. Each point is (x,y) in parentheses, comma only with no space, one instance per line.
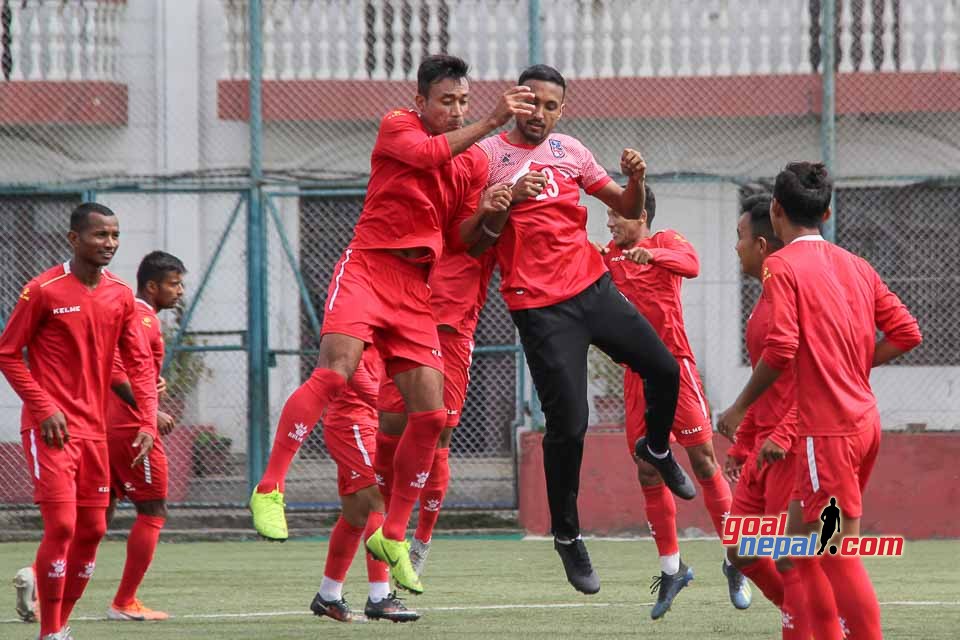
(397,556)
(135,611)
(339,610)
(390,608)
(268,517)
(26,585)
(740,593)
(669,469)
(576,563)
(418,555)
(667,587)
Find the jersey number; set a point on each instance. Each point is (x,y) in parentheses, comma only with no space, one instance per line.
(552,190)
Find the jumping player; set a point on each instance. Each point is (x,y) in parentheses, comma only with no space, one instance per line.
(826,307)
(379,294)
(71,319)
(649,269)
(562,301)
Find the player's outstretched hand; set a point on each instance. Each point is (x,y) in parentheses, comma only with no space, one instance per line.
(633,165)
(732,467)
(603,249)
(529,186)
(143,442)
(165,423)
(495,199)
(769,453)
(729,421)
(638,255)
(54,430)
(513,102)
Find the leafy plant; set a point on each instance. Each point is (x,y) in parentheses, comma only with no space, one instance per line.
(184,370)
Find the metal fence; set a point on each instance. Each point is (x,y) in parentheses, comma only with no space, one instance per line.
(236,134)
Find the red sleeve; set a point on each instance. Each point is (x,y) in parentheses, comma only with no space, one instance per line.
(22,325)
(785,435)
(746,437)
(676,255)
(780,291)
(118,375)
(402,138)
(479,167)
(893,319)
(138,362)
(593,177)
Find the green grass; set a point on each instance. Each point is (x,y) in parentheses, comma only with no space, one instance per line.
(255,577)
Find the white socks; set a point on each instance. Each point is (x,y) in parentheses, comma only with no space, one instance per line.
(330,590)
(670,564)
(379,591)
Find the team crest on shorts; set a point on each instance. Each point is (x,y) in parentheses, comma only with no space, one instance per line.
(556,148)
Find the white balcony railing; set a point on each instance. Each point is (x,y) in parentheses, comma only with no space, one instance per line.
(385,39)
(55,40)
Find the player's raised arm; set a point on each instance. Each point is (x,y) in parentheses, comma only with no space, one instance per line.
(676,255)
(629,200)
(23,323)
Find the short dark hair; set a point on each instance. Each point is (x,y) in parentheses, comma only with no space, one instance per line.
(804,190)
(757,207)
(543,72)
(156,266)
(80,216)
(437,67)
(649,204)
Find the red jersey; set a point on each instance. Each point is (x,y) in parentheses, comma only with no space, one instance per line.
(416,187)
(71,333)
(544,254)
(458,289)
(774,414)
(357,404)
(121,415)
(654,288)
(827,305)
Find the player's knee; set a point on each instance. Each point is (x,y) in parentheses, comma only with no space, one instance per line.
(93,529)
(392,424)
(153,508)
(647,474)
(703,461)
(59,528)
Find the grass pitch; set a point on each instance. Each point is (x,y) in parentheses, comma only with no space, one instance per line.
(496,588)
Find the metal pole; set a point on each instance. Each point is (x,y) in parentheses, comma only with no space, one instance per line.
(258,430)
(828,114)
(534,41)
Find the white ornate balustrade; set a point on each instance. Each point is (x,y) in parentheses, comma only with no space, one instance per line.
(385,39)
(56,40)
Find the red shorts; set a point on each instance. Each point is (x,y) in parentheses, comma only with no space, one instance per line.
(352,447)
(457,353)
(383,299)
(767,491)
(146,481)
(691,422)
(80,472)
(835,467)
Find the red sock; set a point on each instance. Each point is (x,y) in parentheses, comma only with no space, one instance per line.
(59,520)
(411,468)
(377,571)
(856,599)
(794,614)
(823,618)
(431,498)
(300,414)
(717,498)
(383,464)
(82,557)
(662,518)
(141,543)
(763,572)
(344,542)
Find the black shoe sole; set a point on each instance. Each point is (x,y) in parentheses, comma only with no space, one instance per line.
(263,537)
(394,620)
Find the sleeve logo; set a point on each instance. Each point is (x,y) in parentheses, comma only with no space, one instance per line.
(25,294)
(766,274)
(147,321)
(396,112)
